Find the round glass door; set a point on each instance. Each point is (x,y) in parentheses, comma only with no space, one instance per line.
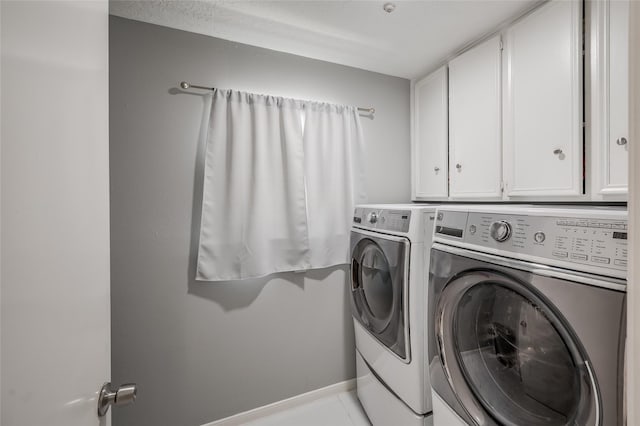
(378,268)
(375,279)
(515,354)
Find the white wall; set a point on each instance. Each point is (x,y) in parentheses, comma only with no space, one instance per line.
(632,374)
(203,351)
(0,223)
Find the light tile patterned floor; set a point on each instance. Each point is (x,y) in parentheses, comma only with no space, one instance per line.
(342,409)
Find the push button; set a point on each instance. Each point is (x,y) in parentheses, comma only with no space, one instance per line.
(539,237)
(557,253)
(576,256)
(620,262)
(599,259)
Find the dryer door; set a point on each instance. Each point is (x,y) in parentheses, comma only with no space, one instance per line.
(509,356)
(379,267)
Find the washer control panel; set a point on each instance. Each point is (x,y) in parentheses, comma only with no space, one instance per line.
(382,219)
(592,242)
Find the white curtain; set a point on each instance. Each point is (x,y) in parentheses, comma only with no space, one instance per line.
(253,208)
(334,174)
(275,200)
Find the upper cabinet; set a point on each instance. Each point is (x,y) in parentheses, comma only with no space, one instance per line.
(429,147)
(543,130)
(531,115)
(610,97)
(475,148)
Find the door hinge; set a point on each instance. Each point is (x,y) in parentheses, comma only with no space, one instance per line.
(501,45)
(501,186)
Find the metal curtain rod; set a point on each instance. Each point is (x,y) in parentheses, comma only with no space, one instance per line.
(186,85)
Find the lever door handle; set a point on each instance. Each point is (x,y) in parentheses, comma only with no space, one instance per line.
(355,275)
(125,394)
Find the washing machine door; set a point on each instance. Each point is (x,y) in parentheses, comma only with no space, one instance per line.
(379,270)
(509,356)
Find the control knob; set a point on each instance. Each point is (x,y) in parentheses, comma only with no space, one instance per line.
(500,231)
(373,217)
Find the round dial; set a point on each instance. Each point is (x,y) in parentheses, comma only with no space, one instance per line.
(373,217)
(500,231)
(539,237)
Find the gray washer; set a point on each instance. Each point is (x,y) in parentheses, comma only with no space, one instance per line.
(515,343)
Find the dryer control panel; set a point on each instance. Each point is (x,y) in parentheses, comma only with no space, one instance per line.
(382,219)
(595,243)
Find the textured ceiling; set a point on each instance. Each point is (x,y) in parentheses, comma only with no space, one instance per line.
(412,40)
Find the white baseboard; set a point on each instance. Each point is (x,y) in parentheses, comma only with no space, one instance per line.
(285,404)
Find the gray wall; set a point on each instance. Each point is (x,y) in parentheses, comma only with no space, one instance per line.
(203,351)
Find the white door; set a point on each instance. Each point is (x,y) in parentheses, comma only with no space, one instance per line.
(543,133)
(430,144)
(55,349)
(617,145)
(475,132)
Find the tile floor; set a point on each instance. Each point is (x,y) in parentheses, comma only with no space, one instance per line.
(342,409)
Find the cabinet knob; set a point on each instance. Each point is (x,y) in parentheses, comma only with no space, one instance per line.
(621,141)
(557,151)
(458,166)
(436,169)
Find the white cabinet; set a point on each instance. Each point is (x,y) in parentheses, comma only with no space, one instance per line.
(610,99)
(617,144)
(543,131)
(429,147)
(475,148)
(512,127)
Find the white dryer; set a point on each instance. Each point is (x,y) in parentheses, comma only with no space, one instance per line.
(389,263)
(527,315)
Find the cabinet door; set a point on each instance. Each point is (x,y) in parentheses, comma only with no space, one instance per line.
(430,174)
(474,122)
(543,133)
(617,146)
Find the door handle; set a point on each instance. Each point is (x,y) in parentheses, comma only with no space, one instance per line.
(354,275)
(124,395)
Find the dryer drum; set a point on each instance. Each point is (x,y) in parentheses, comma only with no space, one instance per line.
(504,344)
